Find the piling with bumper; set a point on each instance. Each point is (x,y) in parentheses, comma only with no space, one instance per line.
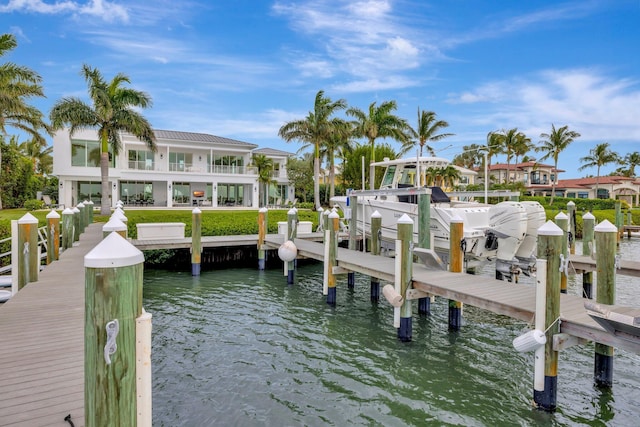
(456,261)
(196,241)
(588,224)
(404,263)
(28,261)
(53,236)
(376,234)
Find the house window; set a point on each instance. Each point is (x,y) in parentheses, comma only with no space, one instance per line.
(525,177)
(553,177)
(180,162)
(226,163)
(90,190)
(136,192)
(141,159)
(181,193)
(583,195)
(571,195)
(87,153)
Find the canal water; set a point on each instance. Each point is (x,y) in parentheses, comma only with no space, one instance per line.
(239,347)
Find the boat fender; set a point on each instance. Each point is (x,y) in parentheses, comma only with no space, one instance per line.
(491,242)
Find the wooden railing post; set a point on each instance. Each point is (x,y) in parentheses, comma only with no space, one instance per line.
(196,241)
(404,260)
(67,228)
(456,261)
(53,236)
(376,231)
(588,224)
(262,233)
(114,225)
(28,263)
(606,235)
(550,243)
(113,302)
(562,221)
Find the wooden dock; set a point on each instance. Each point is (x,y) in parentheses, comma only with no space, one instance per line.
(42,344)
(509,299)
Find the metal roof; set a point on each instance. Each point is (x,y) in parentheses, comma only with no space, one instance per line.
(272,152)
(198,137)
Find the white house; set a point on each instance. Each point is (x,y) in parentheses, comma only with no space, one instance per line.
(188,169)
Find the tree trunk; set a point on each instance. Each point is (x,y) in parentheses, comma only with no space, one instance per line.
(105,206)
(316,181)
(332,178)
(553,183)
(0,175)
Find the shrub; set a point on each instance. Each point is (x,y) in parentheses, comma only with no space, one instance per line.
(33,204)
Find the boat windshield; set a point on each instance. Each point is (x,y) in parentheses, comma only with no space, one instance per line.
(408,176)
(387,180)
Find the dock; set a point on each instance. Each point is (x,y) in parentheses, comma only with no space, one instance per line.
(42,340)
(42,344)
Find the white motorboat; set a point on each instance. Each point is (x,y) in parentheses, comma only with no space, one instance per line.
(491,232)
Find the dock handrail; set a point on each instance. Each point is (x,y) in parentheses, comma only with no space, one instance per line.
(42,242)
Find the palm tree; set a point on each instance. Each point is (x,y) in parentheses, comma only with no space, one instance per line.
(339,142)
(378,123)
(450,175)
(38,154)
(315,129)
(553,144)
(631,160)
(265,175)
(427,130)
(599,156)
(508,140)
(522,145)
(17,85)
(113,110)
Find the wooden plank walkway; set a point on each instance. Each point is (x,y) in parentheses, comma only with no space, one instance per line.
(209,241)
(586,263)
(42,344)
(509,299)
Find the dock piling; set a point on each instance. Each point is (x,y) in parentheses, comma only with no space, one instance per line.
(28,261)
(196,241)
(77,226)
(53,236)
(404,276)
(424,241)
(292,233)
(82,217)
(67,228)
(562,221)
(571,213)
(331,252)
(588,224)
(456,258)
(262,232)
(353,234)
(606,236)
(114,224)
(551,240)
(113,302)
(376,231)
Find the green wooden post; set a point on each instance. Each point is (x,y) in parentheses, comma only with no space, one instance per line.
(292,231)
(424,240)
(550,244)
(114,225)
(53,236)
(588,224)
(28,263)
(113,302)
(196,241)
(67,228)
(82,217)
(618,218)
(262,233)
(405,239)
(90,210)
(562,221)
(76,224)
(353,235)
(87,214)
(456,261)
(320,219)
(571,213)
(331,252)
(606,240)
(325,220)
(376,231)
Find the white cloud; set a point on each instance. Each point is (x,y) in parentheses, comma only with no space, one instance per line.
(106,10)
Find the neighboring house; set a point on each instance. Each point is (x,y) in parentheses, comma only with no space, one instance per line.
(609,187)
(188,169)
(536,177)
(280,191)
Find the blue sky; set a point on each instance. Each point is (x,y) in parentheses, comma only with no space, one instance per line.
(242,68)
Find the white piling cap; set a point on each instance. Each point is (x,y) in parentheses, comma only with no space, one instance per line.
(376,214)
(89,203)
(571,203)
(334,214)
(405,219)
(456,218)
(75,210)
(561,215)
(263,210)
(28,219)
(53,214)
(292,211)
(605,227)
(320,209)
(327,212)
(67,211)
(588,215)
(119,214)
(118,209)
(112,252)
(550,228)
(196,210)
(80,205)
(114,224)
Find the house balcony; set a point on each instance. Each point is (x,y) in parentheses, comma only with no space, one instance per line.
(191,168)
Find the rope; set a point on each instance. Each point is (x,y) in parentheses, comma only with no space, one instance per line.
(25,251)
(553,323)
(68,419)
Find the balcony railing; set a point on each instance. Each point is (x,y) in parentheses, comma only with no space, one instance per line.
(191,168)
(141,165)
(233,170)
